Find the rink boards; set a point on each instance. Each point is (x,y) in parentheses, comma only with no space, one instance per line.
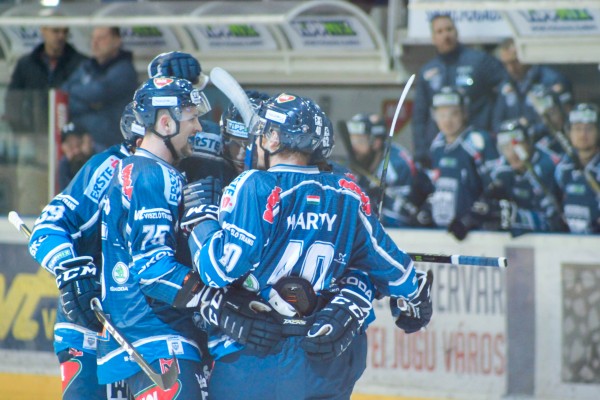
(524,331)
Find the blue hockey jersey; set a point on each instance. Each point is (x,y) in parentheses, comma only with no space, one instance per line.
(461,172)
(296,221)
(141,274)
(581,205)
(69,227)
(536,200)
(399,179)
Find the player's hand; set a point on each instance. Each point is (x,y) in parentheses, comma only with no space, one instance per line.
(243,316)
(200,202)
(177,64)
(336,325)
(78,282)
(413,315)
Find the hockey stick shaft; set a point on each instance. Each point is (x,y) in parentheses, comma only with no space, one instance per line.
(498,262)
(164,381)
(388,146)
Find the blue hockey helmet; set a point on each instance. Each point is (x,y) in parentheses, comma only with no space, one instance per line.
(448,96)
(295,119)
(235,133)
(130,128)
(232,124)
(168,93)
(366,124)
(584,113)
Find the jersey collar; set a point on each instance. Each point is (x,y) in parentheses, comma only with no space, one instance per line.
(309,169)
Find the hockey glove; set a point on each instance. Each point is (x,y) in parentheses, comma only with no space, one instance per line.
(336,325)
(413,315)
(243,316)
(78,282)
(177,64)
(200,201)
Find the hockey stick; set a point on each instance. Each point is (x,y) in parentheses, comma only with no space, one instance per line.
(498,262)
(163,381)
(388,145)
(236,94)
(541,108)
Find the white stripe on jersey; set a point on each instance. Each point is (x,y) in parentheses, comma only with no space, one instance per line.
(141,342)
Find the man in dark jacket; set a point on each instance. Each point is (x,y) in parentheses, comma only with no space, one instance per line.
(476,74)
(101,88)
(47,66)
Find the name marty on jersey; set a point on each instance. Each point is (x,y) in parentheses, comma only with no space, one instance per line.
(310,220)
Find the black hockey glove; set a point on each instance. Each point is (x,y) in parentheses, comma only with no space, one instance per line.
(200,201)
(336,325)
(243,316)
(78,282)
(177,64)
(413,315)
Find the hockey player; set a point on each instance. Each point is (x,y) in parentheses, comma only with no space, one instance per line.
(461,159)
(522,196)
(404,181)
(580,195)
(65,241)
(147,291)
(293,221)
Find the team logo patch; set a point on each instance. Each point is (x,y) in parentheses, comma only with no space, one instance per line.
(284,98)
(272,207)
(127,183)
(165,364)
(120,273)
(162,82)
(365,202)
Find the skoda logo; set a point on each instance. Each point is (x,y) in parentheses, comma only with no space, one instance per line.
(120,273)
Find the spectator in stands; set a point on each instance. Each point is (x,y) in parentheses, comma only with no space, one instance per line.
(76,149)
(47,66)
(403,196)
(462,158)
(514,101)
(523,195)
(476,73)
(101,88)
(578,177)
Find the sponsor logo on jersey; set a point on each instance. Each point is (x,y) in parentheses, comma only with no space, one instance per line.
(174,344)
(239,233)
(365,202)
(577,189)
(127,182)
(120,273)
(152,213)
(162,82)
(101,178)
(311,220)
(251,283)
(448,162)
(90,341)
(174,187)
(68,201)
(118,289)
(272,207)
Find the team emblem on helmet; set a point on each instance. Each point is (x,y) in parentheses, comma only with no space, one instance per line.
(283,98)
(162,82)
